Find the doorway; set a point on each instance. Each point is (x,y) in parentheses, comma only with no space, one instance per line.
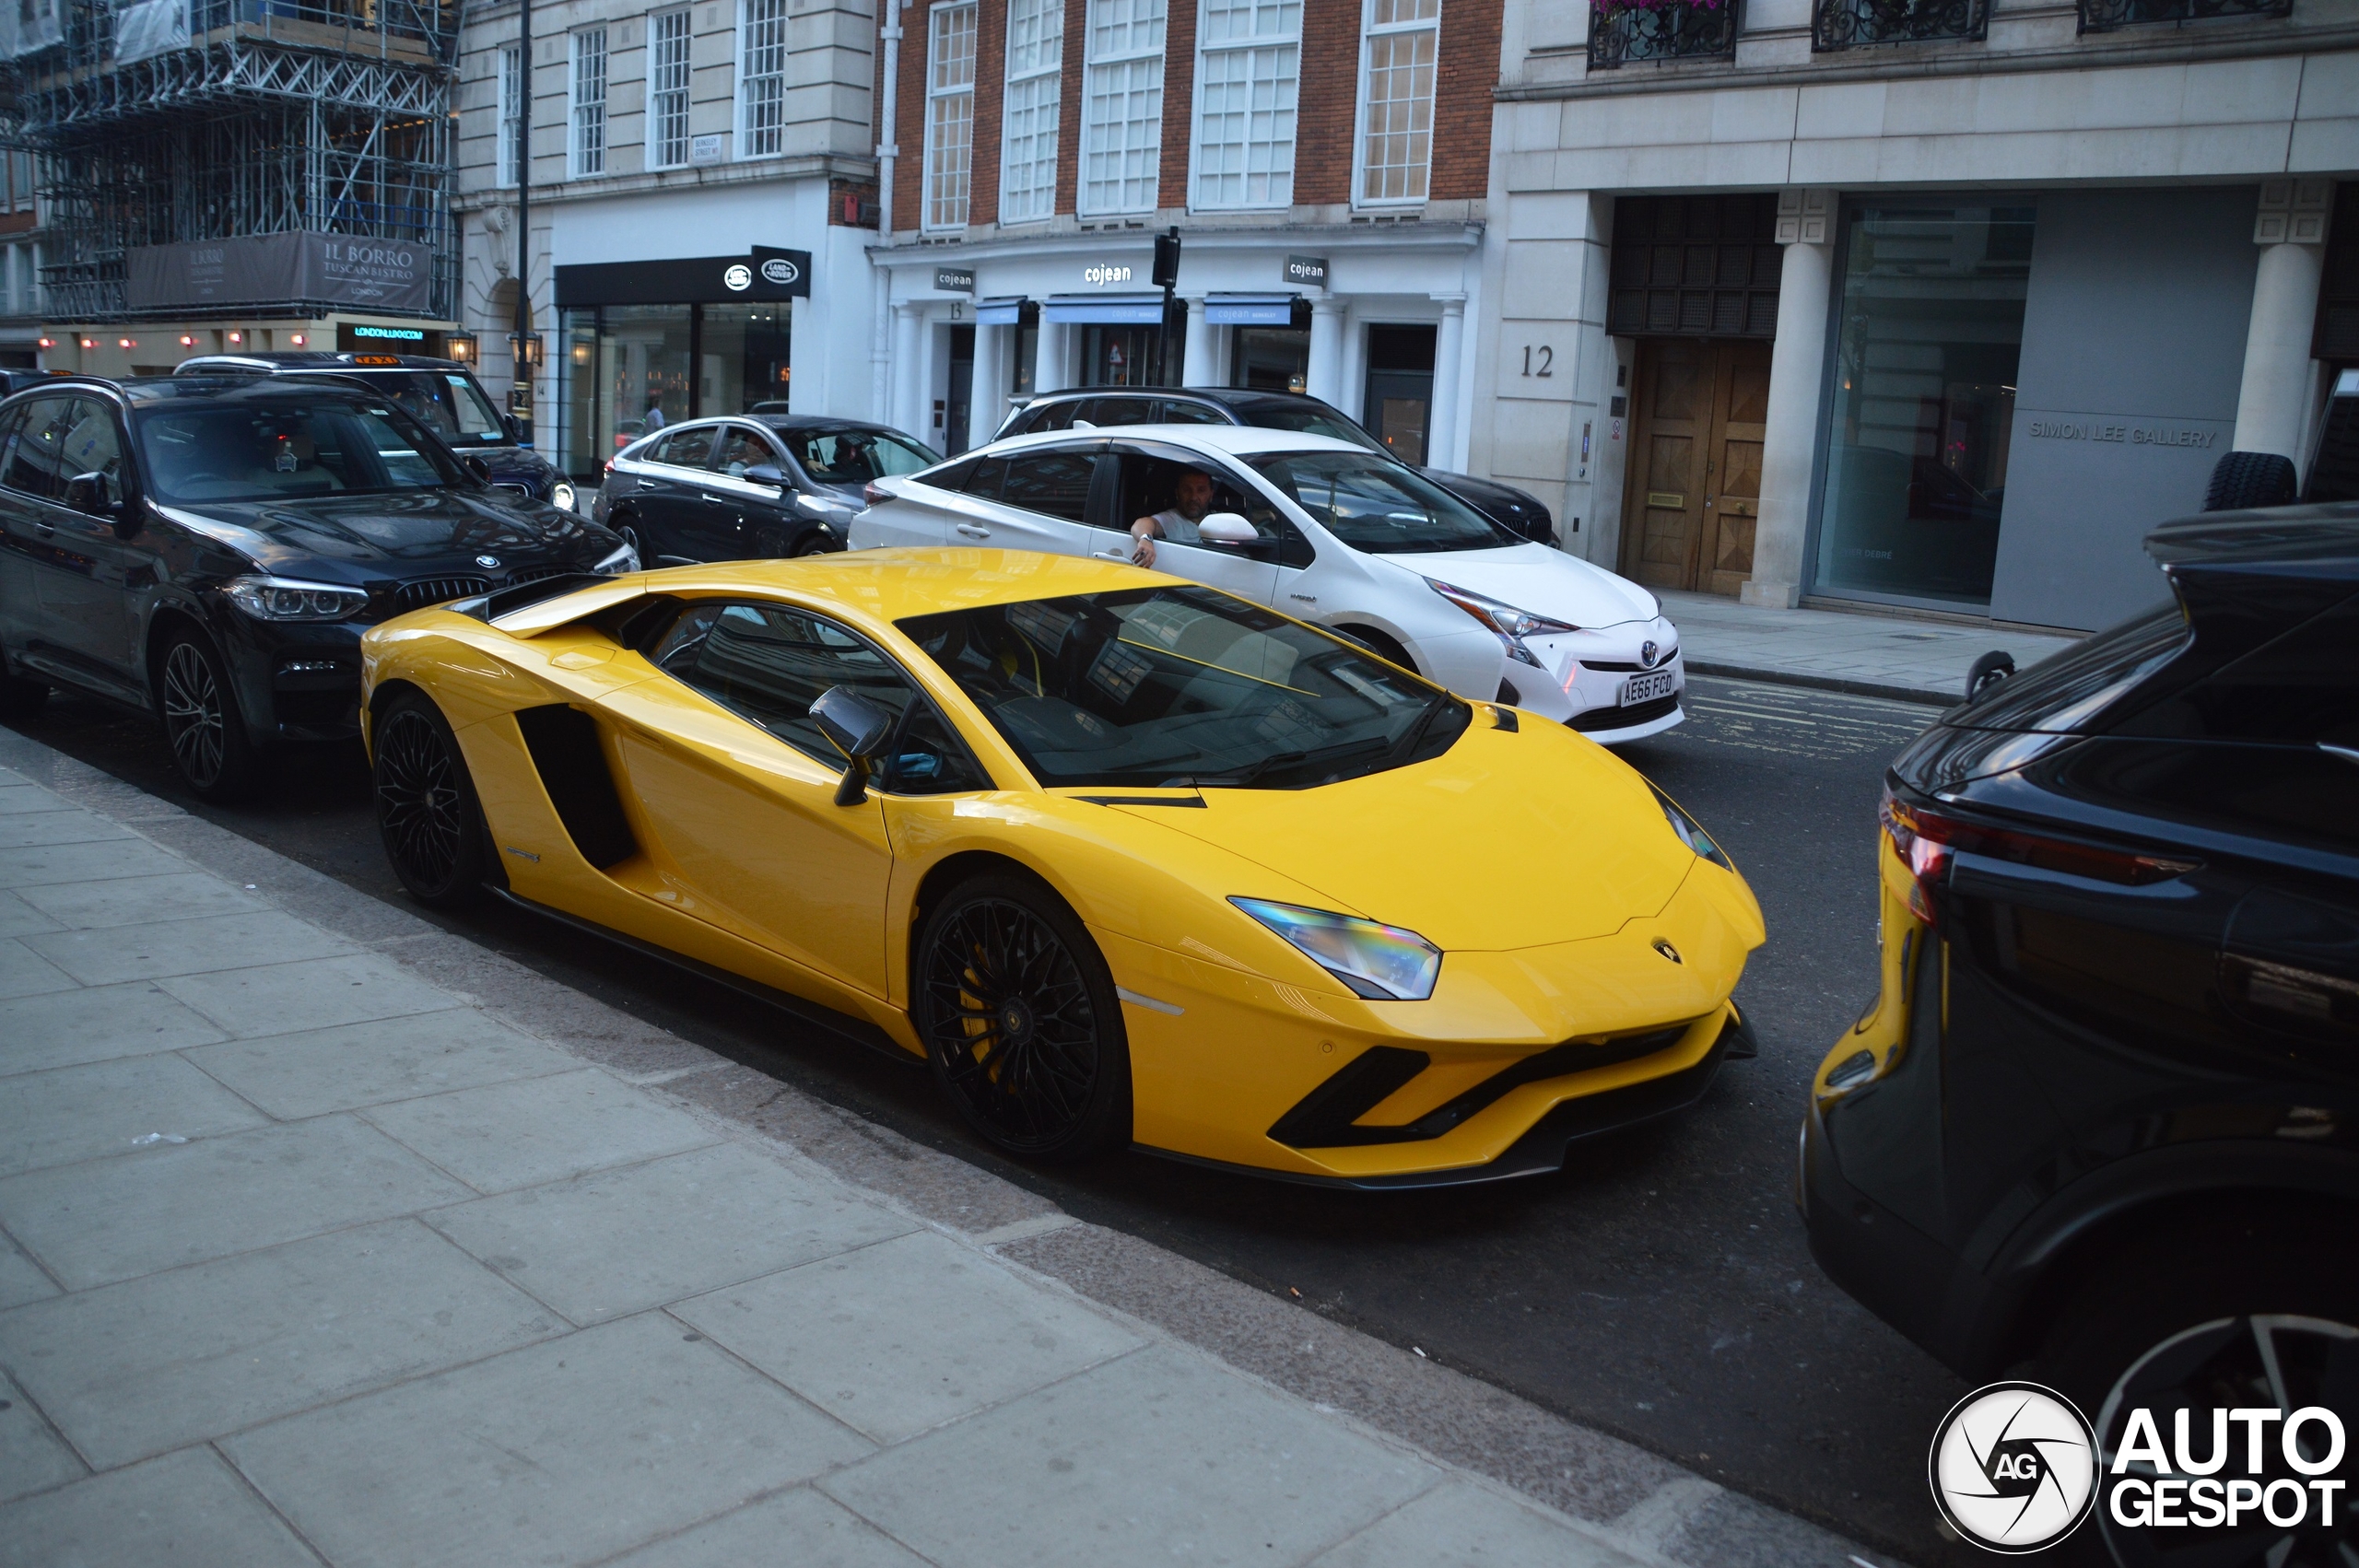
(961,391)
(1692,495)
(1399,410)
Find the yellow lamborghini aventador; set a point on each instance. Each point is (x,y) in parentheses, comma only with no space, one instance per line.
(1129,860)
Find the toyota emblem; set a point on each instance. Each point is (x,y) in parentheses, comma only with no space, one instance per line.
(491,564)
(1647,651)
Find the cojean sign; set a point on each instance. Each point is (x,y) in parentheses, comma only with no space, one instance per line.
(954,280)
(1102,274)
(1310,271)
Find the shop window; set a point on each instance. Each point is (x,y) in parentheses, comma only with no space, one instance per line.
(1272,359)
(587,93)
(1036,44)
(512,96)
(1122,138)
(761,80)
(1249,72)
(1931,332)
(1696,266)
(744,356)
(1396,125)
(949,114)
(2337,338)
(667,89)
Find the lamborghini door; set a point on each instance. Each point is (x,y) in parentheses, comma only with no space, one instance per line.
(738,786)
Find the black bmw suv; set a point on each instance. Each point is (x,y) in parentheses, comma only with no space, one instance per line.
(211,548)
(1516,510)
(2103,1116)
(442,393)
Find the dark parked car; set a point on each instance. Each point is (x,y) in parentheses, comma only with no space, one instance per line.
(211,548)
(1512,508)
(749,486)
(442,392)
(2104,1115)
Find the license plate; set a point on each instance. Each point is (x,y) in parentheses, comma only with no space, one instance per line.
(1645,688)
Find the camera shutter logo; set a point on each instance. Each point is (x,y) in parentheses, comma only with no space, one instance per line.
(739,279)
(2014,1467)
(779,270)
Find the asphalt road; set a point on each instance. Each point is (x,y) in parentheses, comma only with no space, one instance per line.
(1658,1289)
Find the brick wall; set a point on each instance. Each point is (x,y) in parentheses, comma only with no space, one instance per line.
(1467,71)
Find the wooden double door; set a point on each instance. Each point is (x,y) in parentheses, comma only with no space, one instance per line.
(1692,493)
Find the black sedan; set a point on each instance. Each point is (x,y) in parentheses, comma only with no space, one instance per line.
(210,549)
(1513,510)
(442,393)
(2103,1116)
(749,486)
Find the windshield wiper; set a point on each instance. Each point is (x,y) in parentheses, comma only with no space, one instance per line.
(1245,777)
(1407,745)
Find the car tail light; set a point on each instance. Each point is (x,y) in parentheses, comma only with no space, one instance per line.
(1926,839)
(607,470)
(872,493)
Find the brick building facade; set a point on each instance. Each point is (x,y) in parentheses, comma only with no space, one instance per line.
(1325,162)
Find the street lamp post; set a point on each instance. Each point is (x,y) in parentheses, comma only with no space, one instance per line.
(521,399)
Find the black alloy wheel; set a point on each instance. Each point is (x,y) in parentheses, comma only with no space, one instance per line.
(210,747)
(815,544)
(2253,1361)
(426,804)
(1020,1020)
(628,533)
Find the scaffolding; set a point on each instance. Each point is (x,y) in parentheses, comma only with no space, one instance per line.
(165,121)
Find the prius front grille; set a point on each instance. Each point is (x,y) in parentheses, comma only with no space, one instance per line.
(440,591)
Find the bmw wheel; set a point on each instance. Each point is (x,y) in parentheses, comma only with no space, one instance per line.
(1020,1020)
(426,803)
(210,747)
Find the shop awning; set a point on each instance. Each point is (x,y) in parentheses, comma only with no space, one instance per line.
(1249,310)
(1003,310)
(1105,310)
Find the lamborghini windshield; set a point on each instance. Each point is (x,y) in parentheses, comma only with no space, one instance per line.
(1178,686)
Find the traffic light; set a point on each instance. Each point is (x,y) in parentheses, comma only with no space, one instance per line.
(1167,259)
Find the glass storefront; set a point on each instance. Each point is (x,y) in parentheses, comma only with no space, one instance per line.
(1270,359)
(1929,335)
(622,362)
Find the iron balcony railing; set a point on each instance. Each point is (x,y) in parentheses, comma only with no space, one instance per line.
(2105,15)
(1628,35)
(1849,24)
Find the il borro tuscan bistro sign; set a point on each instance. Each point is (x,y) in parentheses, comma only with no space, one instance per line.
(273,269)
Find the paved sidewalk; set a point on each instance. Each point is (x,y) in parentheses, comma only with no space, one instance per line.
(306,1257)
(1872,655)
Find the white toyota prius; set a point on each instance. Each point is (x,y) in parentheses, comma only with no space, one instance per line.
(1325,532)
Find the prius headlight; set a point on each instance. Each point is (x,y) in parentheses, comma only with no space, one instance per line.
(1690,833)
(620,559)
(1380,962)
(1510,624)
(285,599)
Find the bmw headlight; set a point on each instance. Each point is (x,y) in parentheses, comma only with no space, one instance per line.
(621,559)
(284,599)
(1510,624)
(1380,962)
(561,494)
(1690,833)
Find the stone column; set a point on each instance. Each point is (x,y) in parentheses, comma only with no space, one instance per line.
(909,371)
(1050,371)
(1326,375)
(987,396)
(1796,366)
(2273,403)
(1197,368)
(1446,428)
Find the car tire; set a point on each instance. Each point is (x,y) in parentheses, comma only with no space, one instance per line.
(211,751)
(626,531)
(2197,1310)
(2240,480)
(428,816)
(1380,644)
(1021,1021)
(817,544)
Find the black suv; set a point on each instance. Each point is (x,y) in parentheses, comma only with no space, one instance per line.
(1513,510)
(442,393)
(210,549)
(2103,1114)
(750,486)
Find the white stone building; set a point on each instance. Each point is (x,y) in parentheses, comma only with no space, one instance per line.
(1929,303)
(701,175)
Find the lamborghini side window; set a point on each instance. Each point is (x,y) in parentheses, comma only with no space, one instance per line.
(770,662)
(928,758)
